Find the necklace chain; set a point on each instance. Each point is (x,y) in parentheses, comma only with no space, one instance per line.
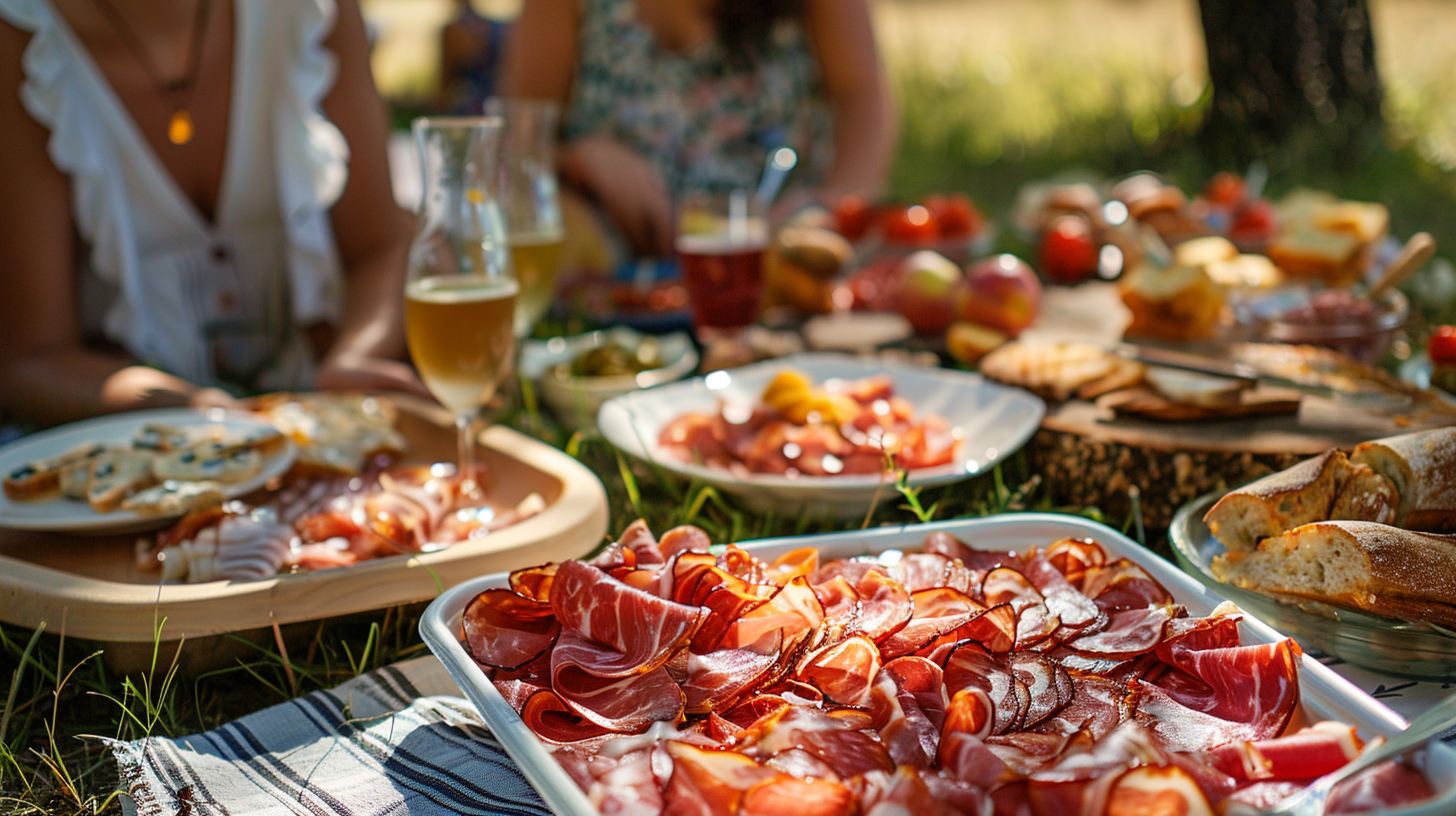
(179,127)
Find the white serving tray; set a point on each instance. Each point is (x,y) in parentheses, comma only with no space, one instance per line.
(1324,694)
(995,419)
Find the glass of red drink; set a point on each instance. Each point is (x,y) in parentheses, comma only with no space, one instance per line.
(720,243)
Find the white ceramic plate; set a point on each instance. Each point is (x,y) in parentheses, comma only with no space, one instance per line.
(995,420)
(73,516)
(1324,694)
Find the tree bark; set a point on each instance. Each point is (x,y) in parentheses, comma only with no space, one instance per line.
(1292,80)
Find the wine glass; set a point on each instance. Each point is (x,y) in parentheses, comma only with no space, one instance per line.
(460,295)
(530,200)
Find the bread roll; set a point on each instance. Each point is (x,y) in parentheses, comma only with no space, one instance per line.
(1278,502)
(1422,466)
(1353,564)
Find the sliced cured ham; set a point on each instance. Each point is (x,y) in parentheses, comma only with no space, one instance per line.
(1254,685)
(506,631)
(1129,632)
(885,606)
(843,671)
(644,628)
(718,678)
(937,610)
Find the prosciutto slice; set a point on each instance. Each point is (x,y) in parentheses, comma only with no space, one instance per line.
(506,631)
(645,629)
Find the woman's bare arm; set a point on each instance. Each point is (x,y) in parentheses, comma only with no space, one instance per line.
(843,38)
(371,231)
(540,58)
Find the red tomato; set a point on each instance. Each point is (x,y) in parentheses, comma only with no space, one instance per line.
(909,225)
(852,214)
(1256,217)
(1442,346)
(1068,252)
(1226,190)
(956,215)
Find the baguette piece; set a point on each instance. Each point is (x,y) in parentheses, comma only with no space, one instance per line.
(1278,502)
(41,479)
(116,475)
(1354,564)
(1422,466)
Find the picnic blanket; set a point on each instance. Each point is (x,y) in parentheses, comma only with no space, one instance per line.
(400,740)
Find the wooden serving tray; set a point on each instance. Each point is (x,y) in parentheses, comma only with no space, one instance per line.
(91,588)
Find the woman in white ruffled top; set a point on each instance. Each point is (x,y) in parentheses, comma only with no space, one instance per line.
(195,204)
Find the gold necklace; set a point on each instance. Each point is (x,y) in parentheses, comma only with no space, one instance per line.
(178,92)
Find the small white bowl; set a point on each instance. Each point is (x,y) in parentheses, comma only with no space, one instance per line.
(994,421)
(576,400)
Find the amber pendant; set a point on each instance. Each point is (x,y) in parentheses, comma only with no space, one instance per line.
(179,130)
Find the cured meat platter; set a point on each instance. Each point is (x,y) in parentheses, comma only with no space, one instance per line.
(1322,694)
(992,422)
(93,588)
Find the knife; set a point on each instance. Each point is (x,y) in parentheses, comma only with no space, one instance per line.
(1373,397)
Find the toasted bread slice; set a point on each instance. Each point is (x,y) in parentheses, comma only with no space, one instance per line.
(1355,564)
(1191,388)
(116,475)
(210,461)
(41,479)
(1422,466)
(174,498)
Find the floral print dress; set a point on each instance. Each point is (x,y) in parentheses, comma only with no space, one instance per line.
(706,123)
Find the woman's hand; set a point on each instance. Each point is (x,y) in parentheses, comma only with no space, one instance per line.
(629,189)
(348,372)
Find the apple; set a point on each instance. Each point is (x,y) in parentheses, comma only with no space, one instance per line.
(969,342)
(1000,292)
(1068,250)
(928,282)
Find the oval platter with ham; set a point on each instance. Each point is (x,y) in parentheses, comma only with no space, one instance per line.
(672,676)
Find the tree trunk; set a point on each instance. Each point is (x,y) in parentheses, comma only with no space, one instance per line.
(1293,80)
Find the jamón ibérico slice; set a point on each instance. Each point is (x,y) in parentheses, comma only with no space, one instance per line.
(1074,556)
(755,710)
(843,671)
(937,611)
(505,631)
(798,762)
(925,570)
(1123,584)
(803,561)
(1255,685)
(643,627)
(963,797)
(1006,585)
(686,571)
(534,582)
(707,782)
(786,795)
(1129,632)
(725,604)
(551,719)
(949,546)
(1181,728)
(1097,707)
(885,606)
(1074,609)
(909,735)
(1384,787)
(1035,624)
(840,601)
(720,677)
(1308,753)
(838,741)
(902,792)
(1198,634)
(1145,790)
(966,757)
(793,612)
(995,629)
(639,539)
(628,703)
(738,561)
(851,569)
(1264,795)
(614,557)
(922,680)
(516,692)
(685,538)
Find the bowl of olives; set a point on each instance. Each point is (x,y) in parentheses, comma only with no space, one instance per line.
(575,375)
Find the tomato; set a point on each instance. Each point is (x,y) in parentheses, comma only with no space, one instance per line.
(955,215)
(1442,346)
(1255,218)
(909,225)
(1068,251)
(1225,190)
(853,216)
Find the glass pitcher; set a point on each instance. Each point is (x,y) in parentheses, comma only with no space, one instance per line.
(530,200)
(460,294)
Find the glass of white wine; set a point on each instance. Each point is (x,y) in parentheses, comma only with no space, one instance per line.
(460,295)
(530,200)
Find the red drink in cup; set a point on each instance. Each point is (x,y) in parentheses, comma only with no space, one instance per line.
(720,246)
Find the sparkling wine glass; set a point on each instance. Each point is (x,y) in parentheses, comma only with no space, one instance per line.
(530,201)
(460,295)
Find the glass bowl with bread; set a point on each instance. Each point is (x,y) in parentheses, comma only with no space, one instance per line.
(1347,553)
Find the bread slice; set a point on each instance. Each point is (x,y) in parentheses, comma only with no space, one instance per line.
(1190,388)
(41,479)
(1422,466)
(174,498)
(117,474)
(1278,502)
(210,461)
(1354,564)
